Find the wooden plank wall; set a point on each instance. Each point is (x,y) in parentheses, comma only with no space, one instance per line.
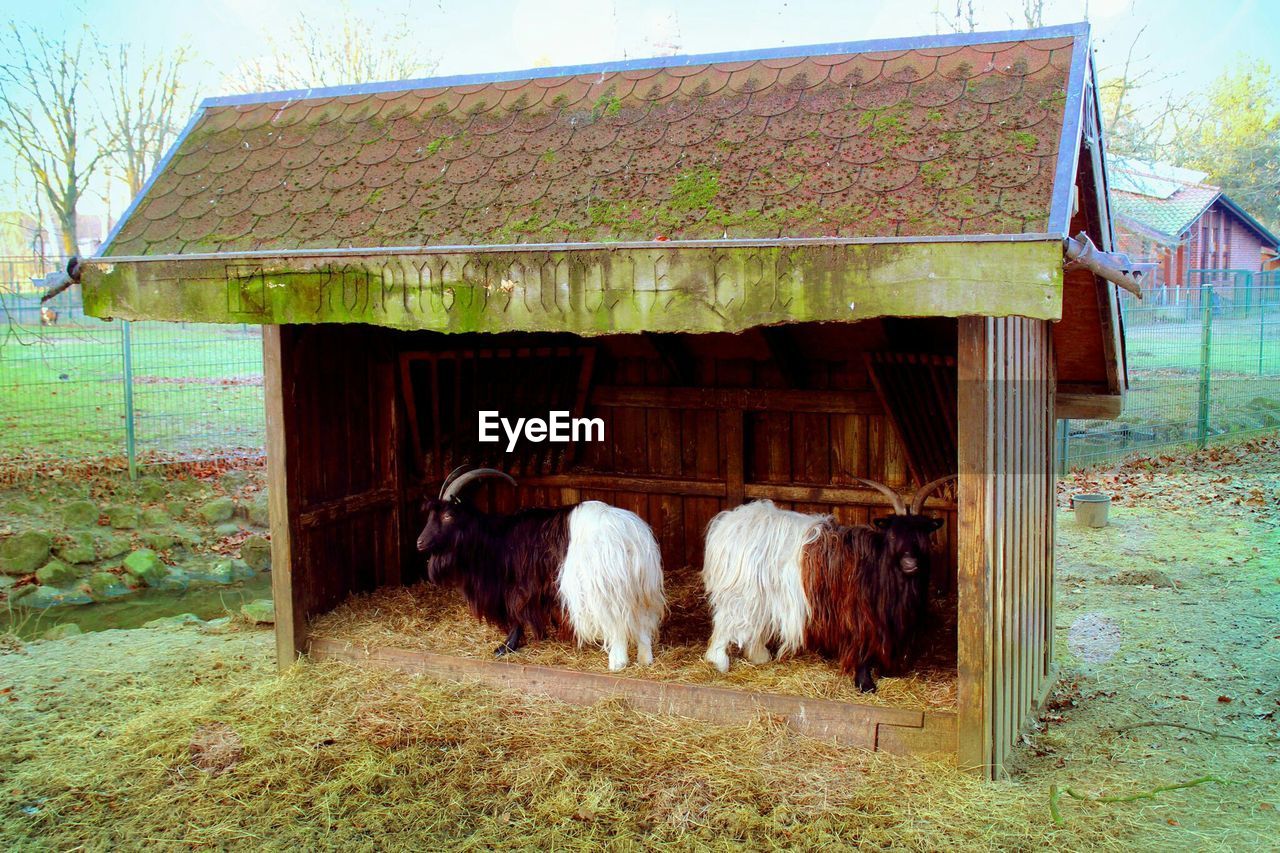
(1007,384)
(676,455)
(332,410)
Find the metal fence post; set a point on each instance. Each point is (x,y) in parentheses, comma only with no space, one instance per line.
(130,439)
(1262,319)
(1064,446)
(1206,331)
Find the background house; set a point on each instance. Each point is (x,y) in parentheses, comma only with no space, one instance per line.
(1169,216)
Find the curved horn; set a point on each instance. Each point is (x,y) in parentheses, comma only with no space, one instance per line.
(898,506)
(447,480)
(456,487)
(917,501)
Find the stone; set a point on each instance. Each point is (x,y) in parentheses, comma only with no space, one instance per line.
(155,517)
(218,510)
(42,597)
(80,514)
(157,541)
(259,511)
(256,551)
(122,516)
(229,571)
(107,585)
(153,490)
(174,580)
(23,553)
(229,528)
(1264,403)
(221,625)
(260,612)
(176,509)
(56,573)
(76,549)
(61,632)
(144,565)
(110,547)
(171,621)
(187,537)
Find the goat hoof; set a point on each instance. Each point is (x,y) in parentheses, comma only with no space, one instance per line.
(503,650)
(867,686)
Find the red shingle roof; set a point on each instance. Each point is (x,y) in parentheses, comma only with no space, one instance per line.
(954,140)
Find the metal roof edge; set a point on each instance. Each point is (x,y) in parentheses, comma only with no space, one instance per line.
(780,242)
(1069,142)
(866,46)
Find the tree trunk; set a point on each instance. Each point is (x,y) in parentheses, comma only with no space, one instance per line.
(67,234)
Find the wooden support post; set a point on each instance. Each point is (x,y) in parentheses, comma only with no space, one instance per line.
(974,652)
(290,638)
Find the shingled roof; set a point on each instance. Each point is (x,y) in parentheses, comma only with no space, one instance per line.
(1163,201)
(940,139)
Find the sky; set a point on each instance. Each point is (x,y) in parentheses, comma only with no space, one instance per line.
(1180,42)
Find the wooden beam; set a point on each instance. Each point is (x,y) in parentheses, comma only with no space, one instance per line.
(749,399)
(832,495)
(973,623)
(888,729)
(1102,407)
(290,633)
(325,513)
(624,483)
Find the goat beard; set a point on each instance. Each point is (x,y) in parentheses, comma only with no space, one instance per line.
(863,610)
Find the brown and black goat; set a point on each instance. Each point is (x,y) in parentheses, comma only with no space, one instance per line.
(857,594)
(590,571)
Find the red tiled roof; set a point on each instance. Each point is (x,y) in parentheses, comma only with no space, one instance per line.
(955,140)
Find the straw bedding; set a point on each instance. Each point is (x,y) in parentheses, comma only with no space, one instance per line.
(428,618)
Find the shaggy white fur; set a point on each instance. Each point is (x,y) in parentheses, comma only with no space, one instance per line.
(752,576)
(611,581)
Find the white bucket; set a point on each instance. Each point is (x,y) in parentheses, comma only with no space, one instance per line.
(1091,509)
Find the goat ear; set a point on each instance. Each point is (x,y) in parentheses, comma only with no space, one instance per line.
(934,524)
(883,523)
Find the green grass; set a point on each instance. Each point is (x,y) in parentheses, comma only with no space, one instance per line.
(196,387)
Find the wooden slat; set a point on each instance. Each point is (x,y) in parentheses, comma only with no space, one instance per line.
(731,433)
(1089,406)
(843,723)
(331,511)
(290,635)
(833,495)
(973,626)
(750,399)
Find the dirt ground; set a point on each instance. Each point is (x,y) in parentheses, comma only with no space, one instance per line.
(1168,636)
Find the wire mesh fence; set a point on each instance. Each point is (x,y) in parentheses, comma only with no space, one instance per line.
(1204,363)
(1203,357)
(75,387)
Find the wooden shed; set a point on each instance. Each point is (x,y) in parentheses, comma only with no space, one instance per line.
(766,272)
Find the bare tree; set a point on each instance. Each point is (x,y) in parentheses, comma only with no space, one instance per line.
(143,108)
(362,51)
(1033,12)
(1138,129)
(43,121)
(965,19)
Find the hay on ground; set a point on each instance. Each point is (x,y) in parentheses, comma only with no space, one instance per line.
(428,618)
